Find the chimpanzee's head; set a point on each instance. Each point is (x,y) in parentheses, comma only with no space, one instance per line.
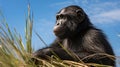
(68,20)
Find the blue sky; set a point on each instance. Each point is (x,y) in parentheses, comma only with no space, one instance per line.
(104,14)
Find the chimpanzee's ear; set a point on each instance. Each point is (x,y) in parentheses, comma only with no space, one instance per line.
(80,12)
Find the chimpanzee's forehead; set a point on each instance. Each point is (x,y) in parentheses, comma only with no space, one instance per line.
(62,11)
(66,11)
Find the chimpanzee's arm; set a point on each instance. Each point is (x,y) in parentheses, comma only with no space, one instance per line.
(59,52)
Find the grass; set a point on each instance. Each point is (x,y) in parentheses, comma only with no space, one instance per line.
(14,53)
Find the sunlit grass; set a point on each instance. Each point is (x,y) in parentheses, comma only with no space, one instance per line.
(15,53)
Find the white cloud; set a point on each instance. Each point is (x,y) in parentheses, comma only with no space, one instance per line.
(115,14)
(118,35)
(108,16)
(104,12)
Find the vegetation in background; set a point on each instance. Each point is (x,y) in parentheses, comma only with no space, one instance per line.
(14,53)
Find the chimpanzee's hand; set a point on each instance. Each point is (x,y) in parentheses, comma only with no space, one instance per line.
(43,53)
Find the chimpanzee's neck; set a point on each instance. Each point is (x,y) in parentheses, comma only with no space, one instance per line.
(72,43)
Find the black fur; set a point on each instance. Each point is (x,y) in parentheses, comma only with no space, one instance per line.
(77,34)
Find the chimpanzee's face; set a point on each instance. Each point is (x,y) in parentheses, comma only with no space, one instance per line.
(67,21)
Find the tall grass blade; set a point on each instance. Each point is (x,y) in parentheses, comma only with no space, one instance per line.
(29,26)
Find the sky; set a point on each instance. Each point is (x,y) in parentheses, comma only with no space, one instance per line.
(104,14)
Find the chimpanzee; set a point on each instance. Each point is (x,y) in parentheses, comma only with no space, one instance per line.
(77,39)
